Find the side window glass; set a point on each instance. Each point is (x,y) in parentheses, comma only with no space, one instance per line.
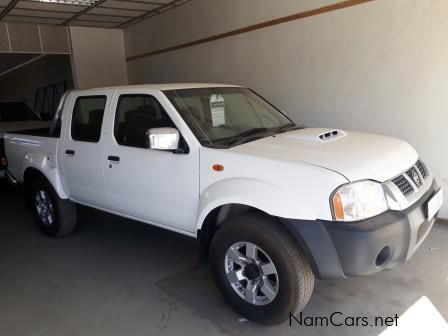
(88,118)
(135,115)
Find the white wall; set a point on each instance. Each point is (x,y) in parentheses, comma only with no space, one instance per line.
(380,67)
(98,57)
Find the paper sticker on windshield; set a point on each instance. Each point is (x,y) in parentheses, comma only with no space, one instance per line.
(217,108)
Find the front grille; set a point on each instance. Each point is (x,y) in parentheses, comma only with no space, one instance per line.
(413,175)
(412,179)
(421,168)
(403,184)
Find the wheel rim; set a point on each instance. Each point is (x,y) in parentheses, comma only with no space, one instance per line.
(44,207)
(251,273)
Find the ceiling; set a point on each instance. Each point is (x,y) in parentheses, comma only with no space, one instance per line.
(90,13)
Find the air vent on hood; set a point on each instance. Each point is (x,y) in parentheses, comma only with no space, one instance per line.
(317,135)
(331,135)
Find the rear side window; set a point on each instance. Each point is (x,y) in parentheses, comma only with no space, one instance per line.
(88,118)
(135,115)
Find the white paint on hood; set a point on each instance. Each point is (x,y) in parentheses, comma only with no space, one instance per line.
(357,156)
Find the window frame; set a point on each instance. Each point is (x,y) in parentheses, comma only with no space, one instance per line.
(116,124)
(102,119)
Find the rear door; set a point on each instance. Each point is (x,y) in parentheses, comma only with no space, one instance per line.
(82,152)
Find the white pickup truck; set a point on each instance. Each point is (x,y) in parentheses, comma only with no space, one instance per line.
(273,205)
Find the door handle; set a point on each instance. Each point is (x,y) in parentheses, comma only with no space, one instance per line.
(113,158)
(70,152)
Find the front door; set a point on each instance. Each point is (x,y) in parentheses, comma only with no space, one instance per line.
(152,185)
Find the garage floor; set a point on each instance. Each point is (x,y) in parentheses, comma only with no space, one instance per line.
(118,277)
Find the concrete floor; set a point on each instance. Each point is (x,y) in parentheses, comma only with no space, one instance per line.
(118,277)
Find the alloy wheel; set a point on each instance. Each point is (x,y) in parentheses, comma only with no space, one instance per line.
(44,207)
(251,273)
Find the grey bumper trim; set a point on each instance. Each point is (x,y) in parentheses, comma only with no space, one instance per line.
(339,250)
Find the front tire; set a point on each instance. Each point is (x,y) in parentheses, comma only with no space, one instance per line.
(55,216)
(259,270)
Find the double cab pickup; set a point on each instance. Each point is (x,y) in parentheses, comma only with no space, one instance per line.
(273,205)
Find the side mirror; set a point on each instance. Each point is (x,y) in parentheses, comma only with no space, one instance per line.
(163,138)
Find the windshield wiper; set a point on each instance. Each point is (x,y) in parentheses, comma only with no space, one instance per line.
(249,135)
(252,131)
(287,127)
(240,138)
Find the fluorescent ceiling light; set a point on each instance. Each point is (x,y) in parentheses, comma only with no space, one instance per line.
(70,2)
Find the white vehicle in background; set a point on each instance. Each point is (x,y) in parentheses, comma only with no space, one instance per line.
(273,205)
(15,116)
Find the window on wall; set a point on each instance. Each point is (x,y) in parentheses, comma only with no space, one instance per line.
(135,115)
(88,118)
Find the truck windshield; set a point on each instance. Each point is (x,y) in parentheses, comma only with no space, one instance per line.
(227,116)
(16,111)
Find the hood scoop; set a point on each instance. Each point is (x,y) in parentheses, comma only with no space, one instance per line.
(331,135)
(319,135)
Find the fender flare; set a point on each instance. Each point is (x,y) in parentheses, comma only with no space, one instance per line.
(254,193)
(45,164)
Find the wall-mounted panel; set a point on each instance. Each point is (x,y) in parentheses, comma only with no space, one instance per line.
(19,37)
(24,37)
(54,39)
(4,43)
(98,57)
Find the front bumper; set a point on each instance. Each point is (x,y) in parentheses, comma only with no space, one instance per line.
(340,250)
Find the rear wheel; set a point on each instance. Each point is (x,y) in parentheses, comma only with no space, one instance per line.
(259,269)
(55,216)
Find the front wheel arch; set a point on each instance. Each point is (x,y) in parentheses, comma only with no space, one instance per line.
(215,218)
(220,214)
(212,222)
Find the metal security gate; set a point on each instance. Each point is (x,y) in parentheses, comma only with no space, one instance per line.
(47,98)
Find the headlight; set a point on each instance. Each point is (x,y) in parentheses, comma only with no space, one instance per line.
(359,200)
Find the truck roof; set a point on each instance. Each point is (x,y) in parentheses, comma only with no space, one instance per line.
(168,86)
